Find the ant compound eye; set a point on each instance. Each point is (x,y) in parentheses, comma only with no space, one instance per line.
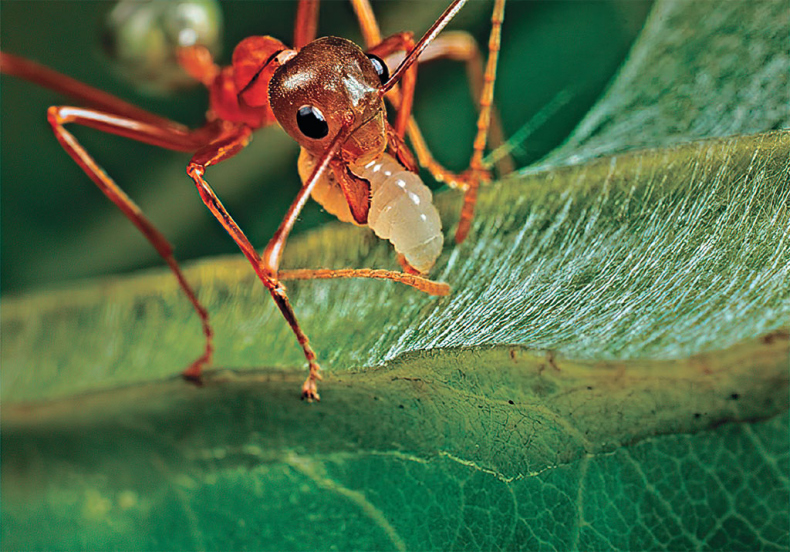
(380,67)
(311,122)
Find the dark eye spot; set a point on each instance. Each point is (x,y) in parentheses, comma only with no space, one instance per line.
(380,67)
(311,122)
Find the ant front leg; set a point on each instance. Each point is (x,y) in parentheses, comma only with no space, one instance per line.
(266,268)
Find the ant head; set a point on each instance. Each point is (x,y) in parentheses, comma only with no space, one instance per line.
(331,86)
(318,90)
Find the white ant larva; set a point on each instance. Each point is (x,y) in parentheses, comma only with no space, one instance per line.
(401,207)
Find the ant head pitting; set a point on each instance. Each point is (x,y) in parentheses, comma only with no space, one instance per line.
(327,84)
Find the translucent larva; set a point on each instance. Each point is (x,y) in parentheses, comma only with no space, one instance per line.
(401,207)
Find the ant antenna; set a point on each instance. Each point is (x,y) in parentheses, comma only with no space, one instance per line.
(435,29)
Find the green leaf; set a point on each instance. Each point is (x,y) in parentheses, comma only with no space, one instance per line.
(694,72)
(482,448)
(611,370)
(653,254)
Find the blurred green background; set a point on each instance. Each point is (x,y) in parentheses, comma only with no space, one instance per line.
(57,226)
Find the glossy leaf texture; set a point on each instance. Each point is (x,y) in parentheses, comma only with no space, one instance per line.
(610,372)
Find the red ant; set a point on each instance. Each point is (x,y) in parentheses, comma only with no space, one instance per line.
(328,94)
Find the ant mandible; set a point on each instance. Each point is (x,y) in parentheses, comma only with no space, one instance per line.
(327,94)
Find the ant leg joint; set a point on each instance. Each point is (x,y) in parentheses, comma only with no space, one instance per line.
(310,385)
(53,116)
(279,288)
(194,170)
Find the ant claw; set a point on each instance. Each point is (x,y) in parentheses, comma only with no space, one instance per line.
(310,390)
(195,379)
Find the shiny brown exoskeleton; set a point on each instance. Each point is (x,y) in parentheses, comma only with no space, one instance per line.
(327,94)
(314,102)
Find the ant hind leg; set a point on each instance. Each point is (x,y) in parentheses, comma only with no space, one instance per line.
(460,47)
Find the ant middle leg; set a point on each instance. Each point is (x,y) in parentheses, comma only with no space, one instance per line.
(462,47)
(210,155)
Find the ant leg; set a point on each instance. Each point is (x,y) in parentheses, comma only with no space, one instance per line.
(274,250)
(212,154)
(476,169)
(409,278)
(95,98)
(461,46)
(266,268)
(306,26)
(371,33)
(454,46)
(144,132)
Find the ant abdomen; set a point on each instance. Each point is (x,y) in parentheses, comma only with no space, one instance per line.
(401,207)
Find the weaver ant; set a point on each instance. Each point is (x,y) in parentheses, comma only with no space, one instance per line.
(326,93)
